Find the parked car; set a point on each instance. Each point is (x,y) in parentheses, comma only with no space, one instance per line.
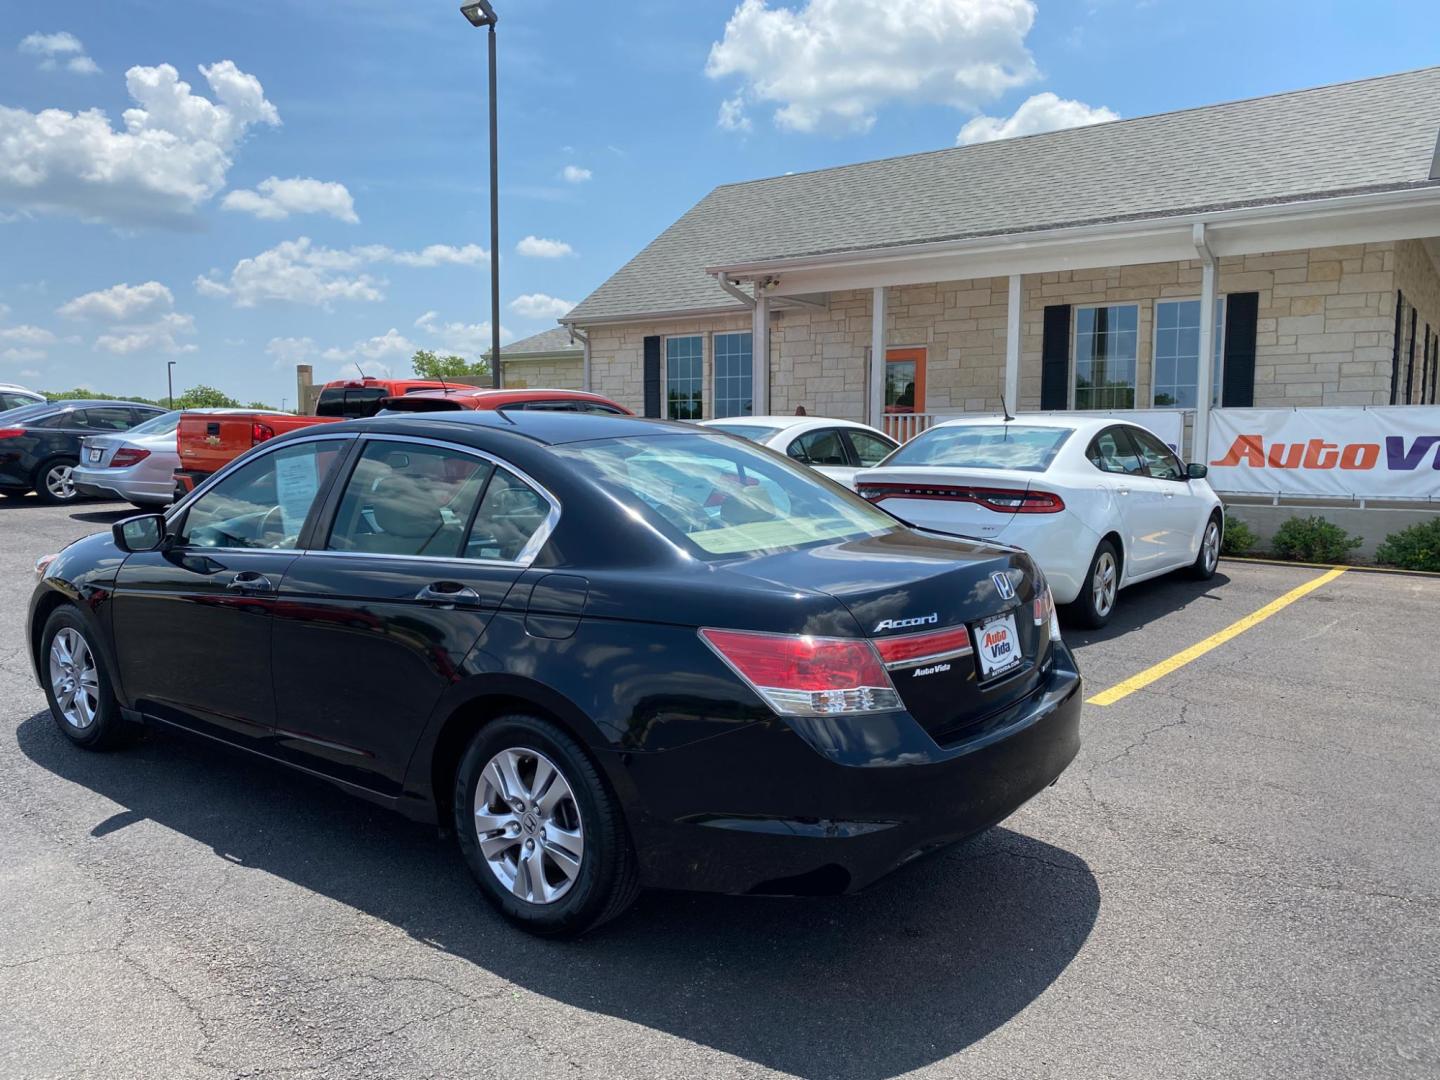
(138,465)
(15,396)
(1099,504)
(837,448)
(206,441)
(352,399)
(40,444)
(609,652)
(455,398)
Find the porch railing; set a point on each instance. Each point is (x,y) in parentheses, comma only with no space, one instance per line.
(902,427)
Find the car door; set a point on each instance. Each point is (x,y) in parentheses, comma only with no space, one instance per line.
(375,619)
(1182,510)
(192,621)
(1138,500)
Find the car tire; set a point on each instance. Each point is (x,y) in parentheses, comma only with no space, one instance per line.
(53,485)
(1096,602)
(506,798)
(78,685)
(1203,569)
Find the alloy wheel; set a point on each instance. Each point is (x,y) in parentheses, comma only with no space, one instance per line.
(74,678)
(528,825)
(1212,546)
(1104,583)
(59,482)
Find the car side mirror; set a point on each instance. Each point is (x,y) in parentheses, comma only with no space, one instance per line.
(1196,471)
(137,534)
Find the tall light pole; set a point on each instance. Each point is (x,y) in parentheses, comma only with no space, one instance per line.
(170,383)
(480,13)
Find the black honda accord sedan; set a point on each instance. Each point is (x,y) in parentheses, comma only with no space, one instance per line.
(610,652)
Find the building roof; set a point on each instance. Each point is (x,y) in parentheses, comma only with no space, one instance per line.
(1351,138)
(546,343)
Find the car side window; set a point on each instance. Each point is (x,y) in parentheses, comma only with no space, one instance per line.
(68,420)
(510,514)
(1160,461)
(870,449)
(821,447)
(1111,451)
(264,503)
(115,419)
(408,499)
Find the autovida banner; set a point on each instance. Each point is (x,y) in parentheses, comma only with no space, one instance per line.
(1387,452)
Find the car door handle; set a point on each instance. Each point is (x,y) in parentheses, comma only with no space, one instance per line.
(448,592)
(250,581)
(1122,491)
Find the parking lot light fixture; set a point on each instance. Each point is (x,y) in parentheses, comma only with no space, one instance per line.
(479,13)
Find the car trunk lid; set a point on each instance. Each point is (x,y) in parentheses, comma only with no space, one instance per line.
(968,502)
(97,450)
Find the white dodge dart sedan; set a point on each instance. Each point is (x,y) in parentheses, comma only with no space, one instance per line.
(837,448)
(1098,503)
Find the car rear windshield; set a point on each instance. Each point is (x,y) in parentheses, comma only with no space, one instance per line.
(753,432)
(163,424)
(722,498)
(1028,448)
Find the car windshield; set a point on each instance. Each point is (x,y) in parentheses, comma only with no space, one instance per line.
(722,498)
(163,424)
(1028,448)
(753,432)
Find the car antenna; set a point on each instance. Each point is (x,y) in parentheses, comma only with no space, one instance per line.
(360,369)
(1005,409)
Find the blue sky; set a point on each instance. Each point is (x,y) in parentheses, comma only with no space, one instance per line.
(319,192)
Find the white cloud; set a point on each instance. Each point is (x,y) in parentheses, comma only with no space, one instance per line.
(301,272)
(27,335)
(22,355)
(275,199)
(538,247)
(120,303)
(831,64)
(392,343)
(457,338)
(1042,112)
(732,115)
(290,350)
(171,156)
(52,47)
(158,336)
(540,306)
(574,174)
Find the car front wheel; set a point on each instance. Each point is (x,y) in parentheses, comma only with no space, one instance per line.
(1209,557)
(541,832)
(1096,602)
(78,686)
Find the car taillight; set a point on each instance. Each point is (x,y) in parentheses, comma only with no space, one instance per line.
(1001,500)
(260,432)
(126,456)
(911,649)
(11,432)
(801,675)
(1044,604)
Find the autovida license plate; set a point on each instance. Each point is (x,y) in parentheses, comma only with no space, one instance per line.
(997,644)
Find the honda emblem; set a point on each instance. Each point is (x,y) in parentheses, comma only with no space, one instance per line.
(1003,586)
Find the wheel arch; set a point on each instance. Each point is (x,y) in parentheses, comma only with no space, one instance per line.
(1119,546)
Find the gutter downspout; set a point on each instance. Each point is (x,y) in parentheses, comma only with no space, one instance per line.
(1205,368)
(584,339)
(759,306)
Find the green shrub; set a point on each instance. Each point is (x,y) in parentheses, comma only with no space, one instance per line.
(1239,537)
(1415,548)
(1313,539)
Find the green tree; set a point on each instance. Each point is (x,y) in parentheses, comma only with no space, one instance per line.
(430,366)
(205,397)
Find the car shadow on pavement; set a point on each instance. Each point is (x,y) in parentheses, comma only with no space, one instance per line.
(1140,605)
(870,986)
(106,517)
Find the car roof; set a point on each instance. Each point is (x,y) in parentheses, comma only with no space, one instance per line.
(509,394)
(1068,423)
(41,408)
(788,423)
(548,428)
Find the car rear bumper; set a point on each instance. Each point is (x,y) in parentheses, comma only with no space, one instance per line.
(97,485)
(763,810)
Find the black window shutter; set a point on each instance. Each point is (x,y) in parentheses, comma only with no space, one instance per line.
(1395,348)
(1410,366)
(1055,359)
(1237,390)
(652,377)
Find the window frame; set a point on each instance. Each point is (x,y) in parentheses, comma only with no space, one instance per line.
(847,436)
(1071,389)
(665,374)
(1217,381)
(715,398)
(836,433)
(1135,431)
(1120,431)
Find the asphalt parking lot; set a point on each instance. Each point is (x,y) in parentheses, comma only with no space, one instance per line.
(1239,877)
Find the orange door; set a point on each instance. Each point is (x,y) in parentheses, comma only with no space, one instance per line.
(905,381)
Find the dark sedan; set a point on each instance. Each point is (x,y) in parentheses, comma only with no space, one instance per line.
(609,652)
(40,444)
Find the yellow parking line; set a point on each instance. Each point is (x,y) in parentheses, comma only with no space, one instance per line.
(1214,641)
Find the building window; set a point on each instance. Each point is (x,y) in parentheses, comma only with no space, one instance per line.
(685,377)
(734,378)
(1177,353)
(1105,351)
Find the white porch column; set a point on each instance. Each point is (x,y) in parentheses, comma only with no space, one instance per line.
(1205,382)
(760,353)
(1012,345)
(875,415)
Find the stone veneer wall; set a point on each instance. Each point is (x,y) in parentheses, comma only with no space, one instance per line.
(566,374)
(1417,277)
(617,355)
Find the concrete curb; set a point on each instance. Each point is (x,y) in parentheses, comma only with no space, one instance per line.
(1352,567)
